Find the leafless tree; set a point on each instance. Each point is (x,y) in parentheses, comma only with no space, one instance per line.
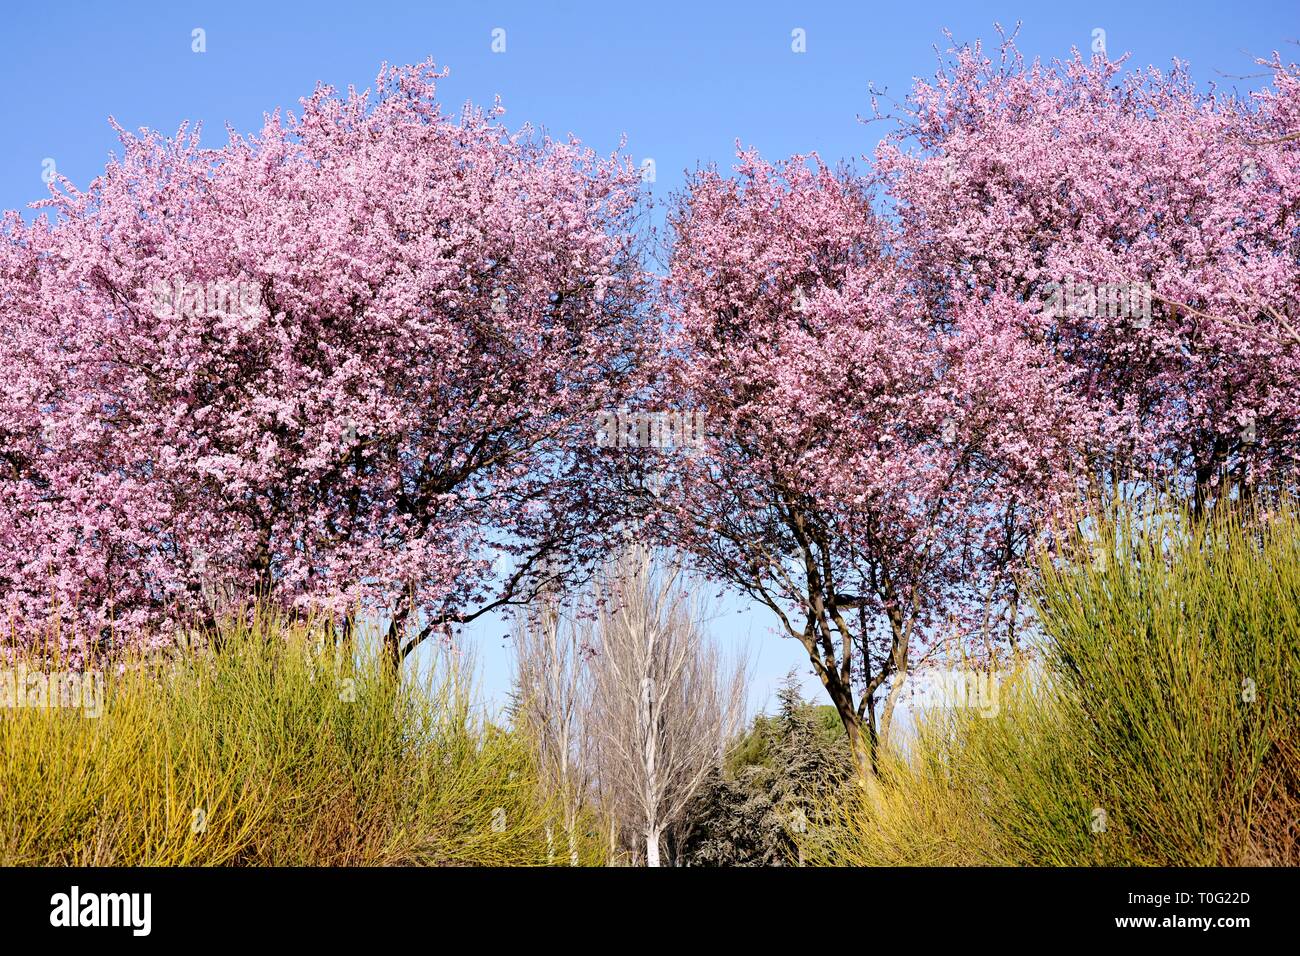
(663,700)
(551,699)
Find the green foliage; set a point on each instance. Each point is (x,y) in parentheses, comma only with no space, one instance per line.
(1161,727)
(754,811)
(271,751)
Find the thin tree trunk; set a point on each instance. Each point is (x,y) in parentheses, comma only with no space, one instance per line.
(1011,624)
(652,848)
(891,701)
(860,746)
(393,639)
(873,739)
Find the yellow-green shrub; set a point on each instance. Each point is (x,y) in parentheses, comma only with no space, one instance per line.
(271,751)
(1160,727)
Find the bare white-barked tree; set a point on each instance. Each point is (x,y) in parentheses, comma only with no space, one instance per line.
(552,698)
(663,700)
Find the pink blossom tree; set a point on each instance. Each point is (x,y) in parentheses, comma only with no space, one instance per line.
(349,364)
(1061,185)
(868,473)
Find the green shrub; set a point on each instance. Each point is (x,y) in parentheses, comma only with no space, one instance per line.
(1160,726)
(272,751)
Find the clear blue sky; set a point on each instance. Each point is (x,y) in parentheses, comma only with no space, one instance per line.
(683,82)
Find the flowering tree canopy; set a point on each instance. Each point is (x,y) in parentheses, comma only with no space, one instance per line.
(1070,281)
(1153,227)
(863,467)
(351,362)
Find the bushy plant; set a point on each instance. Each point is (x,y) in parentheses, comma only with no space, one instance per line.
(1162,727)
(275,750)
(754,810)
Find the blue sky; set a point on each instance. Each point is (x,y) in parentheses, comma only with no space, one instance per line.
(682,81)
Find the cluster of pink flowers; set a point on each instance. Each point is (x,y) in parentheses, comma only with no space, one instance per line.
(430,311)
(1013,177)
